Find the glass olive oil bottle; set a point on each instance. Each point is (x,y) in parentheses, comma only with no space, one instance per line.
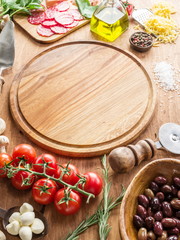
(109,20)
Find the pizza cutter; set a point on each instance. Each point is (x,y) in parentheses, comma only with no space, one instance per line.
(123,159)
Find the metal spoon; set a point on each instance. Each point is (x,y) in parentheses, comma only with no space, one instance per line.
(5,215)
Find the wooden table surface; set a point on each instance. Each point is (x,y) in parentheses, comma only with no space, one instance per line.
(167,110)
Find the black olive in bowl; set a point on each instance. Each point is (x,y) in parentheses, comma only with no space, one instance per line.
(141,41)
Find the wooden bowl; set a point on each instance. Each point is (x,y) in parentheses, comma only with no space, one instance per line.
(138,47)
(166,167)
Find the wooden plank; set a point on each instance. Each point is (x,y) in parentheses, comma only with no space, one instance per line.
(83,98)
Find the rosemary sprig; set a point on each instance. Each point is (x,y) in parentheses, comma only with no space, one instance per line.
(103,216)
(102,212)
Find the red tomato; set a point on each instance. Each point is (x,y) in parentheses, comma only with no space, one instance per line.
(48,160)
(67,205)
(23,151)
(44,190)
(22,180)
(4,159)
(93,184)
(130,9)
(70,174)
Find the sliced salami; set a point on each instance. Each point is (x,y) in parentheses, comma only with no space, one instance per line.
(64,20)
(45,32)
(74,24)
(36,17)
(50,13)
(76,14)
(63,6)
(59,29)
(49,23)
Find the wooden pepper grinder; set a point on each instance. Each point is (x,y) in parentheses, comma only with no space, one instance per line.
(123,159)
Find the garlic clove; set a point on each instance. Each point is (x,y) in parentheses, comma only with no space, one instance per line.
(25,233)
(2,236)
(27,218)
(13,227)
(38,226)
(15,216)
(2,126)
(26,207)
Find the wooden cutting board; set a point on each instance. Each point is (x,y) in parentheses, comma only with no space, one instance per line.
(82,98)
(30,29)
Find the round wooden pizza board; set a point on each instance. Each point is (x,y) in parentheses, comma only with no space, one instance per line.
(82,98)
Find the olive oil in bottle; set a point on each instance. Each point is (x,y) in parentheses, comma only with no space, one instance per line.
(109,20)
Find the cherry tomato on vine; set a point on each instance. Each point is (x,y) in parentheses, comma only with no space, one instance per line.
(44,190)
(23,151)
(70,174)
(67,203)
(22,180)
(93,184)
(4,159)
(46,161)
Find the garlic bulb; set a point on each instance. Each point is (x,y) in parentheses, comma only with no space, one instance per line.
(26,207)
(27,218)
(15,216)
(2,236)
(38,226)
(2,126)
(25,233)
(13,227)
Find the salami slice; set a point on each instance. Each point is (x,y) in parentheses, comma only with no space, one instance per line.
(49,23)
(74,24)
(36,17)
(63,6)
(76,14)
(43,31)
(59,29)
(50,13)
(64,20)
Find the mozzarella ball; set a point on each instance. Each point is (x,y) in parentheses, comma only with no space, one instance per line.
(15,216)
(25,233)
(13,227)
(37,226)
(2,236)
(26,207)
(27,218)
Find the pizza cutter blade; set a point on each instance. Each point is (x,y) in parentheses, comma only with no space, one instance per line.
(169,138)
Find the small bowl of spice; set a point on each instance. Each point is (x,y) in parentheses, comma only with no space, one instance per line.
(141,41)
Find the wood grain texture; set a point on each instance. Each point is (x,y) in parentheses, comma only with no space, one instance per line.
(167,110)
(30,29)
(164,167)
(83,98)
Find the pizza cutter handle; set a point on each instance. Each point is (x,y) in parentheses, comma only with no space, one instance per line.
(123,159)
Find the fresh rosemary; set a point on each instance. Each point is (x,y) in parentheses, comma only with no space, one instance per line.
(101,216)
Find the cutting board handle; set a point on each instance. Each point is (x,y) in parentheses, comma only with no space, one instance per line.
(123,159)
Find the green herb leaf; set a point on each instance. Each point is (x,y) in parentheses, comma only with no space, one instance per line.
(85,8)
